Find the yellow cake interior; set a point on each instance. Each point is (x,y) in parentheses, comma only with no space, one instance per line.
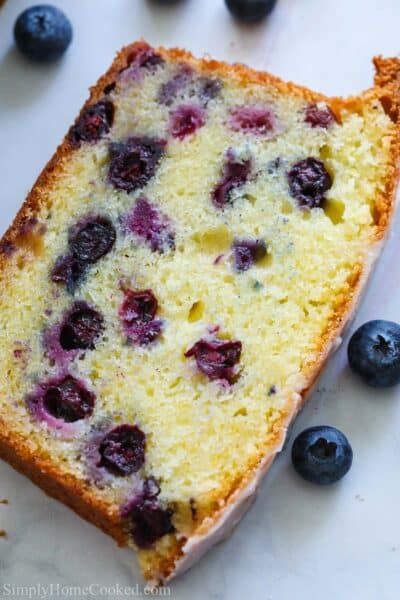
(202,438)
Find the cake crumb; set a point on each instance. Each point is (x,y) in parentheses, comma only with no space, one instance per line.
(3,533)
(4,501)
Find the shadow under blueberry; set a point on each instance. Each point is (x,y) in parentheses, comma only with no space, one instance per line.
(23,81)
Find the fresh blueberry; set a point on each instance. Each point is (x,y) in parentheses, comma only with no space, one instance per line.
(374,353)
(250,11)
(42,33)
(322,454)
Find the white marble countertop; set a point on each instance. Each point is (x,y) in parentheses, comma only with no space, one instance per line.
(297,541)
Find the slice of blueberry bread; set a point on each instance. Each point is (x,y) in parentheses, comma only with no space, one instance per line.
(174,283)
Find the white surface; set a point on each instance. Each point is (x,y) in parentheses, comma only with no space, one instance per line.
(297,541)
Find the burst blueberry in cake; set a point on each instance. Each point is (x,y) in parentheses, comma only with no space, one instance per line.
(182,268)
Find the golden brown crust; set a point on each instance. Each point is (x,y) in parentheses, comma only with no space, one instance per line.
(62,486)
(74,492)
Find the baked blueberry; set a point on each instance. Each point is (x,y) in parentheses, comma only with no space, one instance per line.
(248,252)
(141,61)
(92,239)
(250,11)
(134,162)
(122,450)
(88,241)
(137,314)
(68,270)
(322,454)
(81,328)
(138,307)
(185,120)
(94,122)
(374,353)
(235,174)
(42,33)
(319,115)
(255,120)
(209,88)
(68,400)
(151,225)
(308,181)
(149,520)
(217,358)
(175,86)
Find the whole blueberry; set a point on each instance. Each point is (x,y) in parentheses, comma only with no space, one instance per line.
(250,11)
(42,33)
(374,353)
(322,454)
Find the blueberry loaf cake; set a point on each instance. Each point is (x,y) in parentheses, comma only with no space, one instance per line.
(174,283)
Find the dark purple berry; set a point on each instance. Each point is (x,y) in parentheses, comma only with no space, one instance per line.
(91,240)
(250,11)
(235,174)
(374,353)
(68,400)
(150,521)
(308,182)
(209,88)
(185,120)
(319,116)
(322,455)
(68,270)
(134,162)
(257,120)
(217,358)
(88,241)
(151,225)
(122,450)
(248,252)
(138,307)
(42,33)
(173,87)
(81,328)
(149,59)
(144,59)
(93,123)
(137,314)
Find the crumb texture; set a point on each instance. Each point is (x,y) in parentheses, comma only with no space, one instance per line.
(176,286)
